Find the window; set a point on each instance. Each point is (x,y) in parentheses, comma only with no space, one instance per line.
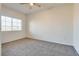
(10,24)
(16,24)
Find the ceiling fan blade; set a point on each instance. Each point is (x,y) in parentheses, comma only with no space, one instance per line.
(31,6)
(37,5)
(22,3)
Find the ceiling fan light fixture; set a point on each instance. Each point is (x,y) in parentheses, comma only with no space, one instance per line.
(31,4)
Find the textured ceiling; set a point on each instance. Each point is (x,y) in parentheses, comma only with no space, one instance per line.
(26,10)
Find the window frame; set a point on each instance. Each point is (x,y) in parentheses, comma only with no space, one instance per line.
(11,25)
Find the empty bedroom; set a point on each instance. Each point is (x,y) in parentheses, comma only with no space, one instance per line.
(39,29)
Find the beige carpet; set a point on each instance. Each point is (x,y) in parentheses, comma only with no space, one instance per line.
(31,47)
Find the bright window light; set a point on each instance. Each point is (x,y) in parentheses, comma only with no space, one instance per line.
(10,24)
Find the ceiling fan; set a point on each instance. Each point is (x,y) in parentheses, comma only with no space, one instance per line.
(31,4)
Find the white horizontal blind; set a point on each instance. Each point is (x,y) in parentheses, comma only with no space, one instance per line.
(10,24)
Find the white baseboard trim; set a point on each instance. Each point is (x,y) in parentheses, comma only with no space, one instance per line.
(48,41)
(76,50)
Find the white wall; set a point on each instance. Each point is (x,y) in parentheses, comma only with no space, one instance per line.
(0,32)
(54,25)
(76,27)
(10,36)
